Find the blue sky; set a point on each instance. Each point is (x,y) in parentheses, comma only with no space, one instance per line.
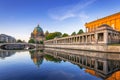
(19,17)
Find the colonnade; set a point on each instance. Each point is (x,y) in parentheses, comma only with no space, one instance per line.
(97,37)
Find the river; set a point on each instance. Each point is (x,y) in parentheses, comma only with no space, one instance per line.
(59,64)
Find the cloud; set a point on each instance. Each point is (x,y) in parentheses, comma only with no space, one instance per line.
(62,17)
(70,11)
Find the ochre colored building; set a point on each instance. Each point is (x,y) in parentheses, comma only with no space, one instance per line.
(112,20)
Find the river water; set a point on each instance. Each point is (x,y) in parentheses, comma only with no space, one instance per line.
(59,64)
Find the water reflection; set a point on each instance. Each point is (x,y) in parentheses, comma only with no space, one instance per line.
(37,57)
(104,65)
(52,59)
(59,64)
(4,54)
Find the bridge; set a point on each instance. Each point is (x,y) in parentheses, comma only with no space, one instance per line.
(19,46)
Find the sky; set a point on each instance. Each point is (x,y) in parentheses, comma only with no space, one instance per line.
(18,18)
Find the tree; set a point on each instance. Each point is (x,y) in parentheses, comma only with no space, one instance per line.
(58,34)
(65,35)
(3,42)
(31,41)
(41,42)
(19,41)
(53,35)
(80,31)
(74,33)
(50,36)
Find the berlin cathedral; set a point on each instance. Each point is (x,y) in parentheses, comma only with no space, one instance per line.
(38,34)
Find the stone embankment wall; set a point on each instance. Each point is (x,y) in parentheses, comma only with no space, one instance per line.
(100,48)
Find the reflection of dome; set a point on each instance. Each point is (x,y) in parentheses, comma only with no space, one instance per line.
(37,57)
(38,61)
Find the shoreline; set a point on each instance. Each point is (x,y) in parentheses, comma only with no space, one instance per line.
(93,48)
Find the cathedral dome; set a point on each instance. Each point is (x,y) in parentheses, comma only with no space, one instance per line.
(37,29)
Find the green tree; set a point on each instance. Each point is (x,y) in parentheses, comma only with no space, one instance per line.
(49,36)
(51,58)
(31,41)
(19,41)
(74,33)
(41,42)
(58,34)
(80,31)
(65,35)
(53,35)
(2,41)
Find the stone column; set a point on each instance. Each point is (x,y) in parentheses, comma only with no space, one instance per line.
(83,39)
(96,65)
(69,41)
(105,37)
(79,40)
(96,38)
(73,39)
(64,41)
(86,29)
(90,38)
(86,39)
(76,39)
(105,67)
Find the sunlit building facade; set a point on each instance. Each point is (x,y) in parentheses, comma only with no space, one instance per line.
(112,20)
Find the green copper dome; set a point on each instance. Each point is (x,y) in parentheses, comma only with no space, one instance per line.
(38,29)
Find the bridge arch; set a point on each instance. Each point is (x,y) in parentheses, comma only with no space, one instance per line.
(11,46)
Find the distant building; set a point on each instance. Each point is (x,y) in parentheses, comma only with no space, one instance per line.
(38,34)
(7,39)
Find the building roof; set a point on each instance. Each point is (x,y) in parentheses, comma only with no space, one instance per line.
(103,18)
(4,35)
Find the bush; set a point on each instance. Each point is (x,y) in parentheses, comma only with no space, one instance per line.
(31,41)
